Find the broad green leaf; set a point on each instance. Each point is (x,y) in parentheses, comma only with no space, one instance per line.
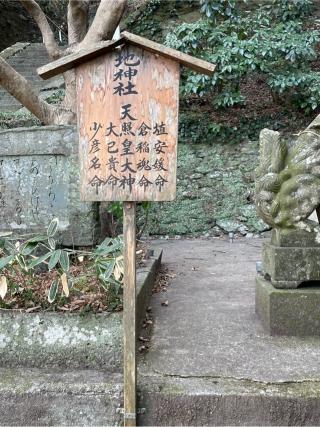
(3,286)
(64,261)
(21,261)
(55,256)
(28,248)
(4,261)
(38,238)
(53,291)
(52,243)
(53,227)
(38,260)
(6,234)
(107,273)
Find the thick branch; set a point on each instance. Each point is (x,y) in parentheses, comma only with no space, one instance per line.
(105,22)
(23,91)
(47,34)
(77,20)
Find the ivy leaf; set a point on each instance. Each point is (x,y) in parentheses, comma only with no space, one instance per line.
(53,291)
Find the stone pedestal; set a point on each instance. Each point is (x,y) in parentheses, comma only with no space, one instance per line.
(291,258)
(294,312)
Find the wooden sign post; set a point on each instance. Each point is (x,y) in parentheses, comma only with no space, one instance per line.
(127,104)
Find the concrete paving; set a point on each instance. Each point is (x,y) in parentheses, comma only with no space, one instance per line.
(209,342)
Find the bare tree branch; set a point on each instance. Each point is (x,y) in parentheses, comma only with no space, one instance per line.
(23,91)
(105,22)
(77,20)
(47,34)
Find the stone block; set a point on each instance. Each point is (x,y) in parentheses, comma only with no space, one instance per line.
(39,180)
(288,267)
(293,312)
(294,238)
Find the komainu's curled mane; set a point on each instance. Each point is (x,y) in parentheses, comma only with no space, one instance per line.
(288,178)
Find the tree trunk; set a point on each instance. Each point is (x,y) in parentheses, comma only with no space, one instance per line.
(103,27)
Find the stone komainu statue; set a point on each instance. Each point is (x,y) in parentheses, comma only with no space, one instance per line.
(288,179)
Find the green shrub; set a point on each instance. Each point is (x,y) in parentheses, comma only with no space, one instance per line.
(267,41)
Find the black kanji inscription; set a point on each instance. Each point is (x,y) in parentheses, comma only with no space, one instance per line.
(143,147)
(159,147)
(127,181)
(110,147)
(110,130)
(112,163)
(160,129)
(143,165)
(160,181)
(127,166)
(126,112)
(95,163)
(144,182)
(159,165)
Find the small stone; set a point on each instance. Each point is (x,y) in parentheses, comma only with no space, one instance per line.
(228,226)
(214,175)
(195,176)
(177,237)
(249,236)
(243,230)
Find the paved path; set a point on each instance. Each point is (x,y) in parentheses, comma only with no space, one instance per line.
(209,329)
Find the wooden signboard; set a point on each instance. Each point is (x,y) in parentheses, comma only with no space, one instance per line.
(127,104)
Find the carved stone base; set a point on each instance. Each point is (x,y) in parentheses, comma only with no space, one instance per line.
(291,258)
(293,312)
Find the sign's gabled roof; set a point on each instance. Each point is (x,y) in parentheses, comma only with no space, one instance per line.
(73,60)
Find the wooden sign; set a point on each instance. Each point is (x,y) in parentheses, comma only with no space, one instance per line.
(127,104)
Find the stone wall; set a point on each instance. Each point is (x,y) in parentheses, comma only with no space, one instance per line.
(39,180)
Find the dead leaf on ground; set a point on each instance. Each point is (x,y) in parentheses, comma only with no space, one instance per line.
(165,303)
(3,286)
(31,309)
(65,286)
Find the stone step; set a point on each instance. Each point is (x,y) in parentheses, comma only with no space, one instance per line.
(38,340)
(196,401)
(25,62)
(33,397)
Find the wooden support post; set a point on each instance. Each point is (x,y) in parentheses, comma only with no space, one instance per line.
(129,313)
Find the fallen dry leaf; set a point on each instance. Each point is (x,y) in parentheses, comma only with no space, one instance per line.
(3,286)
(31,309)
(65,286)
(166,303)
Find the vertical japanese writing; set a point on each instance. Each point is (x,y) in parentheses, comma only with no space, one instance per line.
(131,151)
(35,197)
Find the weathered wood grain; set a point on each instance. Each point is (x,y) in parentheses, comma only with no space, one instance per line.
(189,61)
(71,61)
(149,157)
(129,313)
